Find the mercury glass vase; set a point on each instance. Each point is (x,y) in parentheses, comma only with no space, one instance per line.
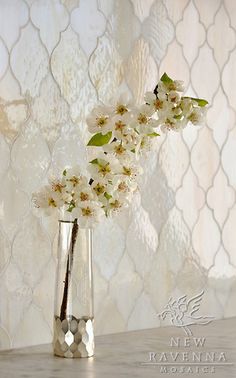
(73,318)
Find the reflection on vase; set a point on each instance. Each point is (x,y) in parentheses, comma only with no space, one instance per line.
(73,318)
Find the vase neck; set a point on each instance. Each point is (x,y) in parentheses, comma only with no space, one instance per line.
(67,221)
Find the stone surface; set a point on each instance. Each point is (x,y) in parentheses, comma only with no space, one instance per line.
(128,355)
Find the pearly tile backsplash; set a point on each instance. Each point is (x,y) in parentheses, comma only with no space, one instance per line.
(58,58)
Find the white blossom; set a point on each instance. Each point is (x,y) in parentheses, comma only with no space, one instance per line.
(47,201)
(131,169)
(131,139)
(186,106)
(88,213)
(121,125)
(197,116)
(99,121)
(173,124)
(99,186)
(122,105)
(123,186)
(83,193)
(105,166)
(146,144)
(174,97)
(119,149)
(155,103)
(115,204)
(74,178)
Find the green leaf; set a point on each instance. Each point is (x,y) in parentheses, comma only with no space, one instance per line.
(200,101)
(99,139)
(70,208)
(94,161)
(153,134)
(166,79)
(107,196)
(178,116)
(64,172)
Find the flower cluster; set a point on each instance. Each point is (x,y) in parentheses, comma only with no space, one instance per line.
(121,132)
(174,111)
(71,194)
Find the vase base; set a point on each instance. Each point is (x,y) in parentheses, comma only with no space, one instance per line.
(73,338)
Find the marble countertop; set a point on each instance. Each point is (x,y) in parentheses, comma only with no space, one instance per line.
(128,355)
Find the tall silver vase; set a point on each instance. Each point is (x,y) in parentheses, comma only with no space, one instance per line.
(73,318)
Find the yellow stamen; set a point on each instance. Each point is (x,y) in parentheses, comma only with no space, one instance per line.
(121,109)
(101,121)
(74,180)
(84,196)
(158,104)
(105,169)
(127,171)
(142,118)
(87,212)
(116,204)
(99,189)
(57,187)
(122,187)
(119,125)
(119,149)
(52,202)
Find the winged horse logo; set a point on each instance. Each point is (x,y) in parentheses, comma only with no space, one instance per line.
(183,312)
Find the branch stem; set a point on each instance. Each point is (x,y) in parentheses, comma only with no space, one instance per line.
(69,267)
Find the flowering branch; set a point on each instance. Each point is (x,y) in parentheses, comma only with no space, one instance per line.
(121,132)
